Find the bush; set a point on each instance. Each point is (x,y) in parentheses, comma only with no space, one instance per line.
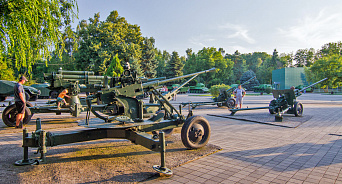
(268,90)
(215,89)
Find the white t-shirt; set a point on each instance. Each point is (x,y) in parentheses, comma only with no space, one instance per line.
(239,92)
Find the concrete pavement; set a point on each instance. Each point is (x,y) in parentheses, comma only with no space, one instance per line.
(259,153)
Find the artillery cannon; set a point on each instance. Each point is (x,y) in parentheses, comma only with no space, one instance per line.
(224,99)
(121,115)
(285,101)
(75,81)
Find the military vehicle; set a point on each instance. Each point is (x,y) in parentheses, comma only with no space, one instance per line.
(45,91)
(199,88)
(262,88)
(285,101)
(121,115)
(182,89)
(7,89)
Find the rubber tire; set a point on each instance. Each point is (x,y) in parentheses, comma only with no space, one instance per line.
(187,132)
(231,102)
(272,103)
(54,94)
(9,114)
(298,109)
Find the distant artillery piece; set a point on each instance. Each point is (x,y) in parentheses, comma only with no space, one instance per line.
(285,102)
(121,115)
(225,98)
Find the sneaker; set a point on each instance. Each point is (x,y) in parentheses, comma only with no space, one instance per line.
(20,125)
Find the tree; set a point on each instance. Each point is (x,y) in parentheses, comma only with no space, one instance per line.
(149,63)
(330,49)
(174,66)
(6,72)
(330,67)
(115,68)
(240,66)
(100,41)
(135,65)
(162,59)
(304,57)
(30,29)
(246,76)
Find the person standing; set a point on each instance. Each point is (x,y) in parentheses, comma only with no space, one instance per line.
(239,93)
(20,101)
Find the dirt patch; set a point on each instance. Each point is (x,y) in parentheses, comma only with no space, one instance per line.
(102,161)
(48,121)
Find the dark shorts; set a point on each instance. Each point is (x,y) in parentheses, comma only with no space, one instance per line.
(20,106)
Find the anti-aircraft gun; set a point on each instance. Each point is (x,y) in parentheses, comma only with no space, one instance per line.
(285,101)
(121,115)
(225,98)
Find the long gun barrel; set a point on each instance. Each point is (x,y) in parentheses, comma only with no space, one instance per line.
(312,84)
(231,89)
(158,83)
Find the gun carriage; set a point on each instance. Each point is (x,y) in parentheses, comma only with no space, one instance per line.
(225,98)
(285,101)
(121,115)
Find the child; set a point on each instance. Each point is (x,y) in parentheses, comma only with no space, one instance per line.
(61,96)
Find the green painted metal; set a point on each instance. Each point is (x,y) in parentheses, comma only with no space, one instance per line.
(123,117)
(7,89)
(285,101)
(285,78)
(225,98)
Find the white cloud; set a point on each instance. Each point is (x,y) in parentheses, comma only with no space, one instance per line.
(314,31)
(237,31)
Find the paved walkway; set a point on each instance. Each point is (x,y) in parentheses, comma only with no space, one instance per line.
(258,153)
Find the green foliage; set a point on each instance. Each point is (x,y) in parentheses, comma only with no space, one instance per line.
(268,90)
(149,63)
(328,66)
(332,48)
(115,69)
(175,66)
(245,77)
(240,66)
(304,57)
(215,89)
(135,65)
(6,72)
(100,41)
(162,59)
(30,29)
(205,59)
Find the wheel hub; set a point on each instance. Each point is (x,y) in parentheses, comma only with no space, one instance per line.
(196,133)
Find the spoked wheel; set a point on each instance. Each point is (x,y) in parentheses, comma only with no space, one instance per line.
(298,109)
(271,107)
(231,102)
(10,113)
(195,132)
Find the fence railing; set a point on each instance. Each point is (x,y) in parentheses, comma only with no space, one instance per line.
(335,90)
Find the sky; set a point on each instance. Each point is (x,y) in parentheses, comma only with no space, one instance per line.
(244,25)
